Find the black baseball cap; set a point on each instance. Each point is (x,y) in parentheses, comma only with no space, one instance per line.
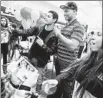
(70,5)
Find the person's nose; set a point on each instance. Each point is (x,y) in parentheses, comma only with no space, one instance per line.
(93,37)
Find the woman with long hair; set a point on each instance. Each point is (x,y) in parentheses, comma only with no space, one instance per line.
(88,70)
(4,39)
(89,74)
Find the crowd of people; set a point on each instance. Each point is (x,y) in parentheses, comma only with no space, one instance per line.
(53,59)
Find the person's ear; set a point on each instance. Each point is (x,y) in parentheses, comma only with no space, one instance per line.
(75,12)
(54,20)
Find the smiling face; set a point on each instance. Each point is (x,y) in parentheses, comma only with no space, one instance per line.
(96,41)
(69,14)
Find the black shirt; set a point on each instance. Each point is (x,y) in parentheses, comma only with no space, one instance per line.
(44,34)
(39,52)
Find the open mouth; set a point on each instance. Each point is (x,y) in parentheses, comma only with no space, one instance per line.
(92,43)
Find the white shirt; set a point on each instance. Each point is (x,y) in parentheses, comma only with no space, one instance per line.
(4,36)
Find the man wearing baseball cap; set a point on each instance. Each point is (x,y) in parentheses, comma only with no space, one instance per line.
(70,5)
(69,39)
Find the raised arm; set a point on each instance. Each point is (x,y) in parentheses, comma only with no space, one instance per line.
(65,75)
(74,41)
(27,32)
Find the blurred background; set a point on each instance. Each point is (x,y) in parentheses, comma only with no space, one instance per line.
(89,13)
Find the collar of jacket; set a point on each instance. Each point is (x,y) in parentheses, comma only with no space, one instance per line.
(51,34)
(71,22)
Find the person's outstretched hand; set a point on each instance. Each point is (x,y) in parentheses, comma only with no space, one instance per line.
(49,86)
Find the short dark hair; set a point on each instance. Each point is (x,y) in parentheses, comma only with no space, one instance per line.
(55,15)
